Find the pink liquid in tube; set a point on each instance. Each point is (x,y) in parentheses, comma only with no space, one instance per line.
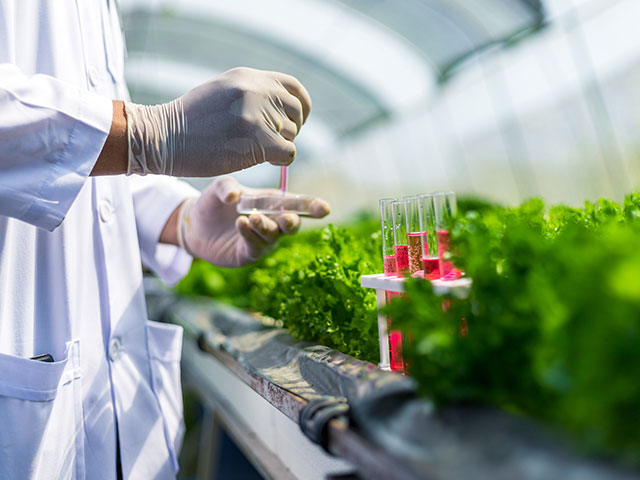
(431,267)
(447,269)
(389,262)
(402,260)
(396,361)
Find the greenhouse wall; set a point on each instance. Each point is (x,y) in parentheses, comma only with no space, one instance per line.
(574,84)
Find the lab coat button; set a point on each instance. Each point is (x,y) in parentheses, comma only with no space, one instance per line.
(114,349)
(94,78)
(105,211)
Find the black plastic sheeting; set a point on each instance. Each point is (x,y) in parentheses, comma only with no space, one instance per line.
(462,442)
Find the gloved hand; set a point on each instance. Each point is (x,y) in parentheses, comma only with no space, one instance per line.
(239,119)
(210,228)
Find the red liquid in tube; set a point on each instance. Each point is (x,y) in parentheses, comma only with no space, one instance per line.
(389,262)
(395,351)
(447,269)
(402,260)
(396,362)
(431,266)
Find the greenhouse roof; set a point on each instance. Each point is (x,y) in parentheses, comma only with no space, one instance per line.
(362,60)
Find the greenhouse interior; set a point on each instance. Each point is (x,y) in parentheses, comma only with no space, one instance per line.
(318,361)
(470,307)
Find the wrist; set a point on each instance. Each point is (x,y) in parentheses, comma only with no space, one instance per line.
(155,136)
(184,224)
(115,151)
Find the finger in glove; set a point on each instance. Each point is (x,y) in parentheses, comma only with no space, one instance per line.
(256,245)
(264,227)
(295,88)
(227,189)
(289,223)
(293,110)
(288,129)
(319,208)
(277,149)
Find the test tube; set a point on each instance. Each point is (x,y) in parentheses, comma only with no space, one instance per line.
(386,224)
(445,212)
(430,259)
(400,237)
(399,213)
(414,234)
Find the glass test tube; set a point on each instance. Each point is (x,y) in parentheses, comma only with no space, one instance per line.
(386,224)
(414,234)
(399,214)
(430,259)
(400,237)
(445,212)
(387,345)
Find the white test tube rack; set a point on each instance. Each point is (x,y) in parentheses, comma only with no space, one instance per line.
(382,283)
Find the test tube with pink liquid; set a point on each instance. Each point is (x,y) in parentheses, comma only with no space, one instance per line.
(445,212)
(392,338)
(386,224)
(426,214)
(400,237)
(414,234)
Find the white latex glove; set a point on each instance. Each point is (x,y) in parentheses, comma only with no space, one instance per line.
(209,226)
(239,119)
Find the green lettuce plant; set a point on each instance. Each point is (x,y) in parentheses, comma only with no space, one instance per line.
(311,283)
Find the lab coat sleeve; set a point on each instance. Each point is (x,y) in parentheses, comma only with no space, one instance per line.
(154,199)
(51,134)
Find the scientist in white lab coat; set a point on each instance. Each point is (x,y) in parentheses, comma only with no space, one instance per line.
(86,195)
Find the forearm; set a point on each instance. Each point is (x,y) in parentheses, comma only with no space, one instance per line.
(169,233)
(113,159)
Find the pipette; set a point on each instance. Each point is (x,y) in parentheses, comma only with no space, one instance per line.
(283,179)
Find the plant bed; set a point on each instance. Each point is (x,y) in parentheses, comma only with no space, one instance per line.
(553,316)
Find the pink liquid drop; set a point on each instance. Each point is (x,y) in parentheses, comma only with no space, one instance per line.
(415,251)
(389,262)
(402,260)
(431,266)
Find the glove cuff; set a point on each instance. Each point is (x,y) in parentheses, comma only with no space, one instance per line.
(185,224)
(156,137)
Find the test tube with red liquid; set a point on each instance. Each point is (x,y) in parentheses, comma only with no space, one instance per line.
(426,215)
(389,261)
(414,234)
(386,224)
(401,249)
(400,237)
(445,212)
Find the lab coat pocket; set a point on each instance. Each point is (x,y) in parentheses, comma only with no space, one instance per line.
(165,350)
(41,417)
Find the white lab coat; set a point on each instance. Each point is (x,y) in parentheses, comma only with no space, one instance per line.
(70,260)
